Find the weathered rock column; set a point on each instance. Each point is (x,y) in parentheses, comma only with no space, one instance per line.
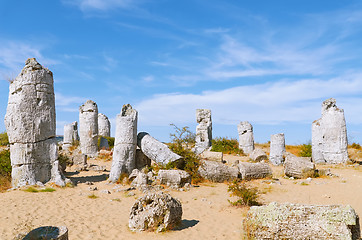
(124,152)
(104,126)
(329,135)
(30,124)
(246,137)
(203,130)
(70,134)
(277,148)
(88,128)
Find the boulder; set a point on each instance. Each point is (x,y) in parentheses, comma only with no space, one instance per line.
(141,160)
(174,178)
(48,233)
(155,211)
(203,130)
(250,171)
(212,156)
(298,167)
(295,221)
(217,171)
(246,137)
(258,155)
(139,179)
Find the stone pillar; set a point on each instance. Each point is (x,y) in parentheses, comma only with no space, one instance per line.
(88,128)
(70,134)
(329,135)
(277,148)
(124,151)
(203,130)
(246,137)
(30,124)
(104,126)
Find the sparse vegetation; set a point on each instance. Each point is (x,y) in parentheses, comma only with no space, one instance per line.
(305,150)
(92,196)
(64,160)
(31,189)
(109,139)
(5,164)
(4,139)
(227,146)
(355,146)
(247,196)
(123,179)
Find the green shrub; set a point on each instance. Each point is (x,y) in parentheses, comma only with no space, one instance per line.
(109,139)
(355,146)
(4,140)
(64,160)
(5,164)
(226,145)
(306,150)
(246,196)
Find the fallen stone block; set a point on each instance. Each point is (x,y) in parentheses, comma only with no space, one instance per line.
(217,171)
(254,170)
(212,156)
(258,155)
(298,167)
(174,178)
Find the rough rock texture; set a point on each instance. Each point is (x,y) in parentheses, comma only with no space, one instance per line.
(246,137)
(70,134)
(139,179)
(88,128)
(298,167)
(258,155)
(277,148)
(141,160)
(217,171)
(329,135)
(48,233)
(124,151)
(80,159)
(254,170)
(157,211)
(203,130)
(174,178)
(212,156)
(293,221)
(155,150)
(104,125)
(30,124)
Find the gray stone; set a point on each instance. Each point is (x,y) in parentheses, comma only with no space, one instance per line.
(104,125)
(294,221)
(124,151)
(277,149)
(212,156)
(30,124)
(141,160)
(155,211)
(329,135)
(139,179)
(246,137)
(48,233)
(217,171)
(155,150)
(258,155)
(88,128)
(70,134)
(174,178)
(250,171)
(80,159)
(298,167)
(203,130)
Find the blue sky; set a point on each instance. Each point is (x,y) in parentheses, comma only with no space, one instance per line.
(271,63)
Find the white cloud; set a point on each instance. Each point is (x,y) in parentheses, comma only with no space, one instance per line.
(101,5)
(63,101)
(148,78)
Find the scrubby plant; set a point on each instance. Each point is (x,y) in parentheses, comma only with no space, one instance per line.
(93,196)
(225,145)
(5,163)
(247,196)
(305,150)
(4,139)
(64,160)
(355,146)
(109,139)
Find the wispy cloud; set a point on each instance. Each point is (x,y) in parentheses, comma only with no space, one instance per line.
(63,101)
(101,5)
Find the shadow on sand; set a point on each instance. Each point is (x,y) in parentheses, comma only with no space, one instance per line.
(97,178)
(186,224)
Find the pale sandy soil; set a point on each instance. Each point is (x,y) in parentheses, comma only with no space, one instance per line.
(206,211)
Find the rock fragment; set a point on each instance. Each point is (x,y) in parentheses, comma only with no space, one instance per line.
(203,130)
(174,178)
(246,137)
(258,155)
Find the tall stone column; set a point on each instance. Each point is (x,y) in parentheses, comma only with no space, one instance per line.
(277,148)
(246,137)
(329,135)
(203,130)
(104,125)
(88,128)
(124,151)
(30,124)
(70,134)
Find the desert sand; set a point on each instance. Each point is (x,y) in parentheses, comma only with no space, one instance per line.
(207,214)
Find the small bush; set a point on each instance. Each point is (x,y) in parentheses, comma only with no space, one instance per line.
(92,196)
(226,145)
(109,139)
(246,196)
(4,140)
(64,160)
(5,163)
(31,189)
(47,190)
(305,150)
(355,146)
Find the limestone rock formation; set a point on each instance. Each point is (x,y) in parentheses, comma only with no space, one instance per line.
(139,179)
(277,148)
(155,150)
(294,221)
(258,155)
(250,171)
(329,135)
(104,125)
(30,124)
(70,134)
(298,167)
(156,210)
(203,130)
(246,137)
(212,156)
(141,160)
(88,128)
(48,233)
(174,178)
(217,171)
(124,151)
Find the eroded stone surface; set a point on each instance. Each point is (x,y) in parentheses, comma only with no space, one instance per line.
(88,128)
(70,134)
(217,171)
(298,167)
(48,233)
(329,135)
(258,155)
(277,148)
(30,124)
(250,171)
(174,178)
(203,130)
(246,137)
(104,125)
(212,156)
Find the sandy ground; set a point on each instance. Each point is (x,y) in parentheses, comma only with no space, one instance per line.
(207,213)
